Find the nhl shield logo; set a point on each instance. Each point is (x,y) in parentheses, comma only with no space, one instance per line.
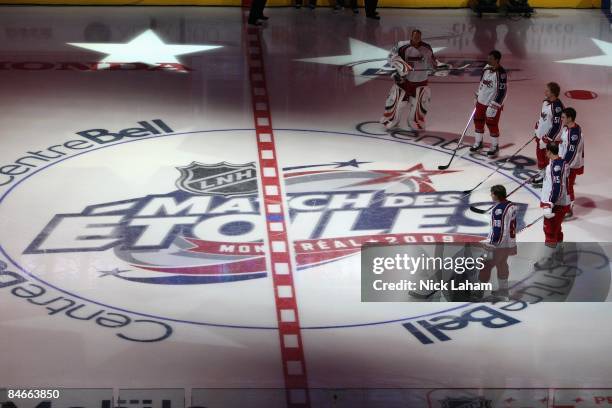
(218,179)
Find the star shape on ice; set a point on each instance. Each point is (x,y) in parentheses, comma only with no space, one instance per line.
(604,60)
(417,173)
(352,163)
(147,48)
(113,272)
(371,55)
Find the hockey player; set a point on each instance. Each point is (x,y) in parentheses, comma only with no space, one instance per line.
(412,61)
(554,199)
(489,102)
(571,150)
(501,241)
(547,128)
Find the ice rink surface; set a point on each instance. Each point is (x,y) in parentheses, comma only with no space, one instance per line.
(182,203)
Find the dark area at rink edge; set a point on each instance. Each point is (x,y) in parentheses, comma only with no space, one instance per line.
(178,5)
(319,397)
(569,272)
(122,5)
(182,4)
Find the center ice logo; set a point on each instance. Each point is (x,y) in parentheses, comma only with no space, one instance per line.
(210,230)
(222,178)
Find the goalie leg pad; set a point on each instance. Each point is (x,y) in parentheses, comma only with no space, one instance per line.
(419,105)
(393,107)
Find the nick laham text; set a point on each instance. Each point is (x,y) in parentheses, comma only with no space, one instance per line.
(430,285)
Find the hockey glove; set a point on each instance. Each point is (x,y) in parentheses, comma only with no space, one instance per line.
(492,111)
(487,245)
(543,142)
(398,78)
(548,213)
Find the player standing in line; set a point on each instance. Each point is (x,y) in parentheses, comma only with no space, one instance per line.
(571,150)
(489,102)
(554,199)
(548,126)
(501,241)
(412,61)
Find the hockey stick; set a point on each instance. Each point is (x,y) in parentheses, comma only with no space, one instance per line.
(479,211)
(466,192)
(447,67)
(443,71)
(382,73)
(424,295)
(460,140)
(450,67)
(530,224)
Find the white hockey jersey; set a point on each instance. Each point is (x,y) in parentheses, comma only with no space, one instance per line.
(548,126)
(571,148)
(493,86)
(554,186)
(503,225)
(420,58)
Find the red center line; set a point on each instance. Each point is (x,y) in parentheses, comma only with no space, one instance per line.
(279,248)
